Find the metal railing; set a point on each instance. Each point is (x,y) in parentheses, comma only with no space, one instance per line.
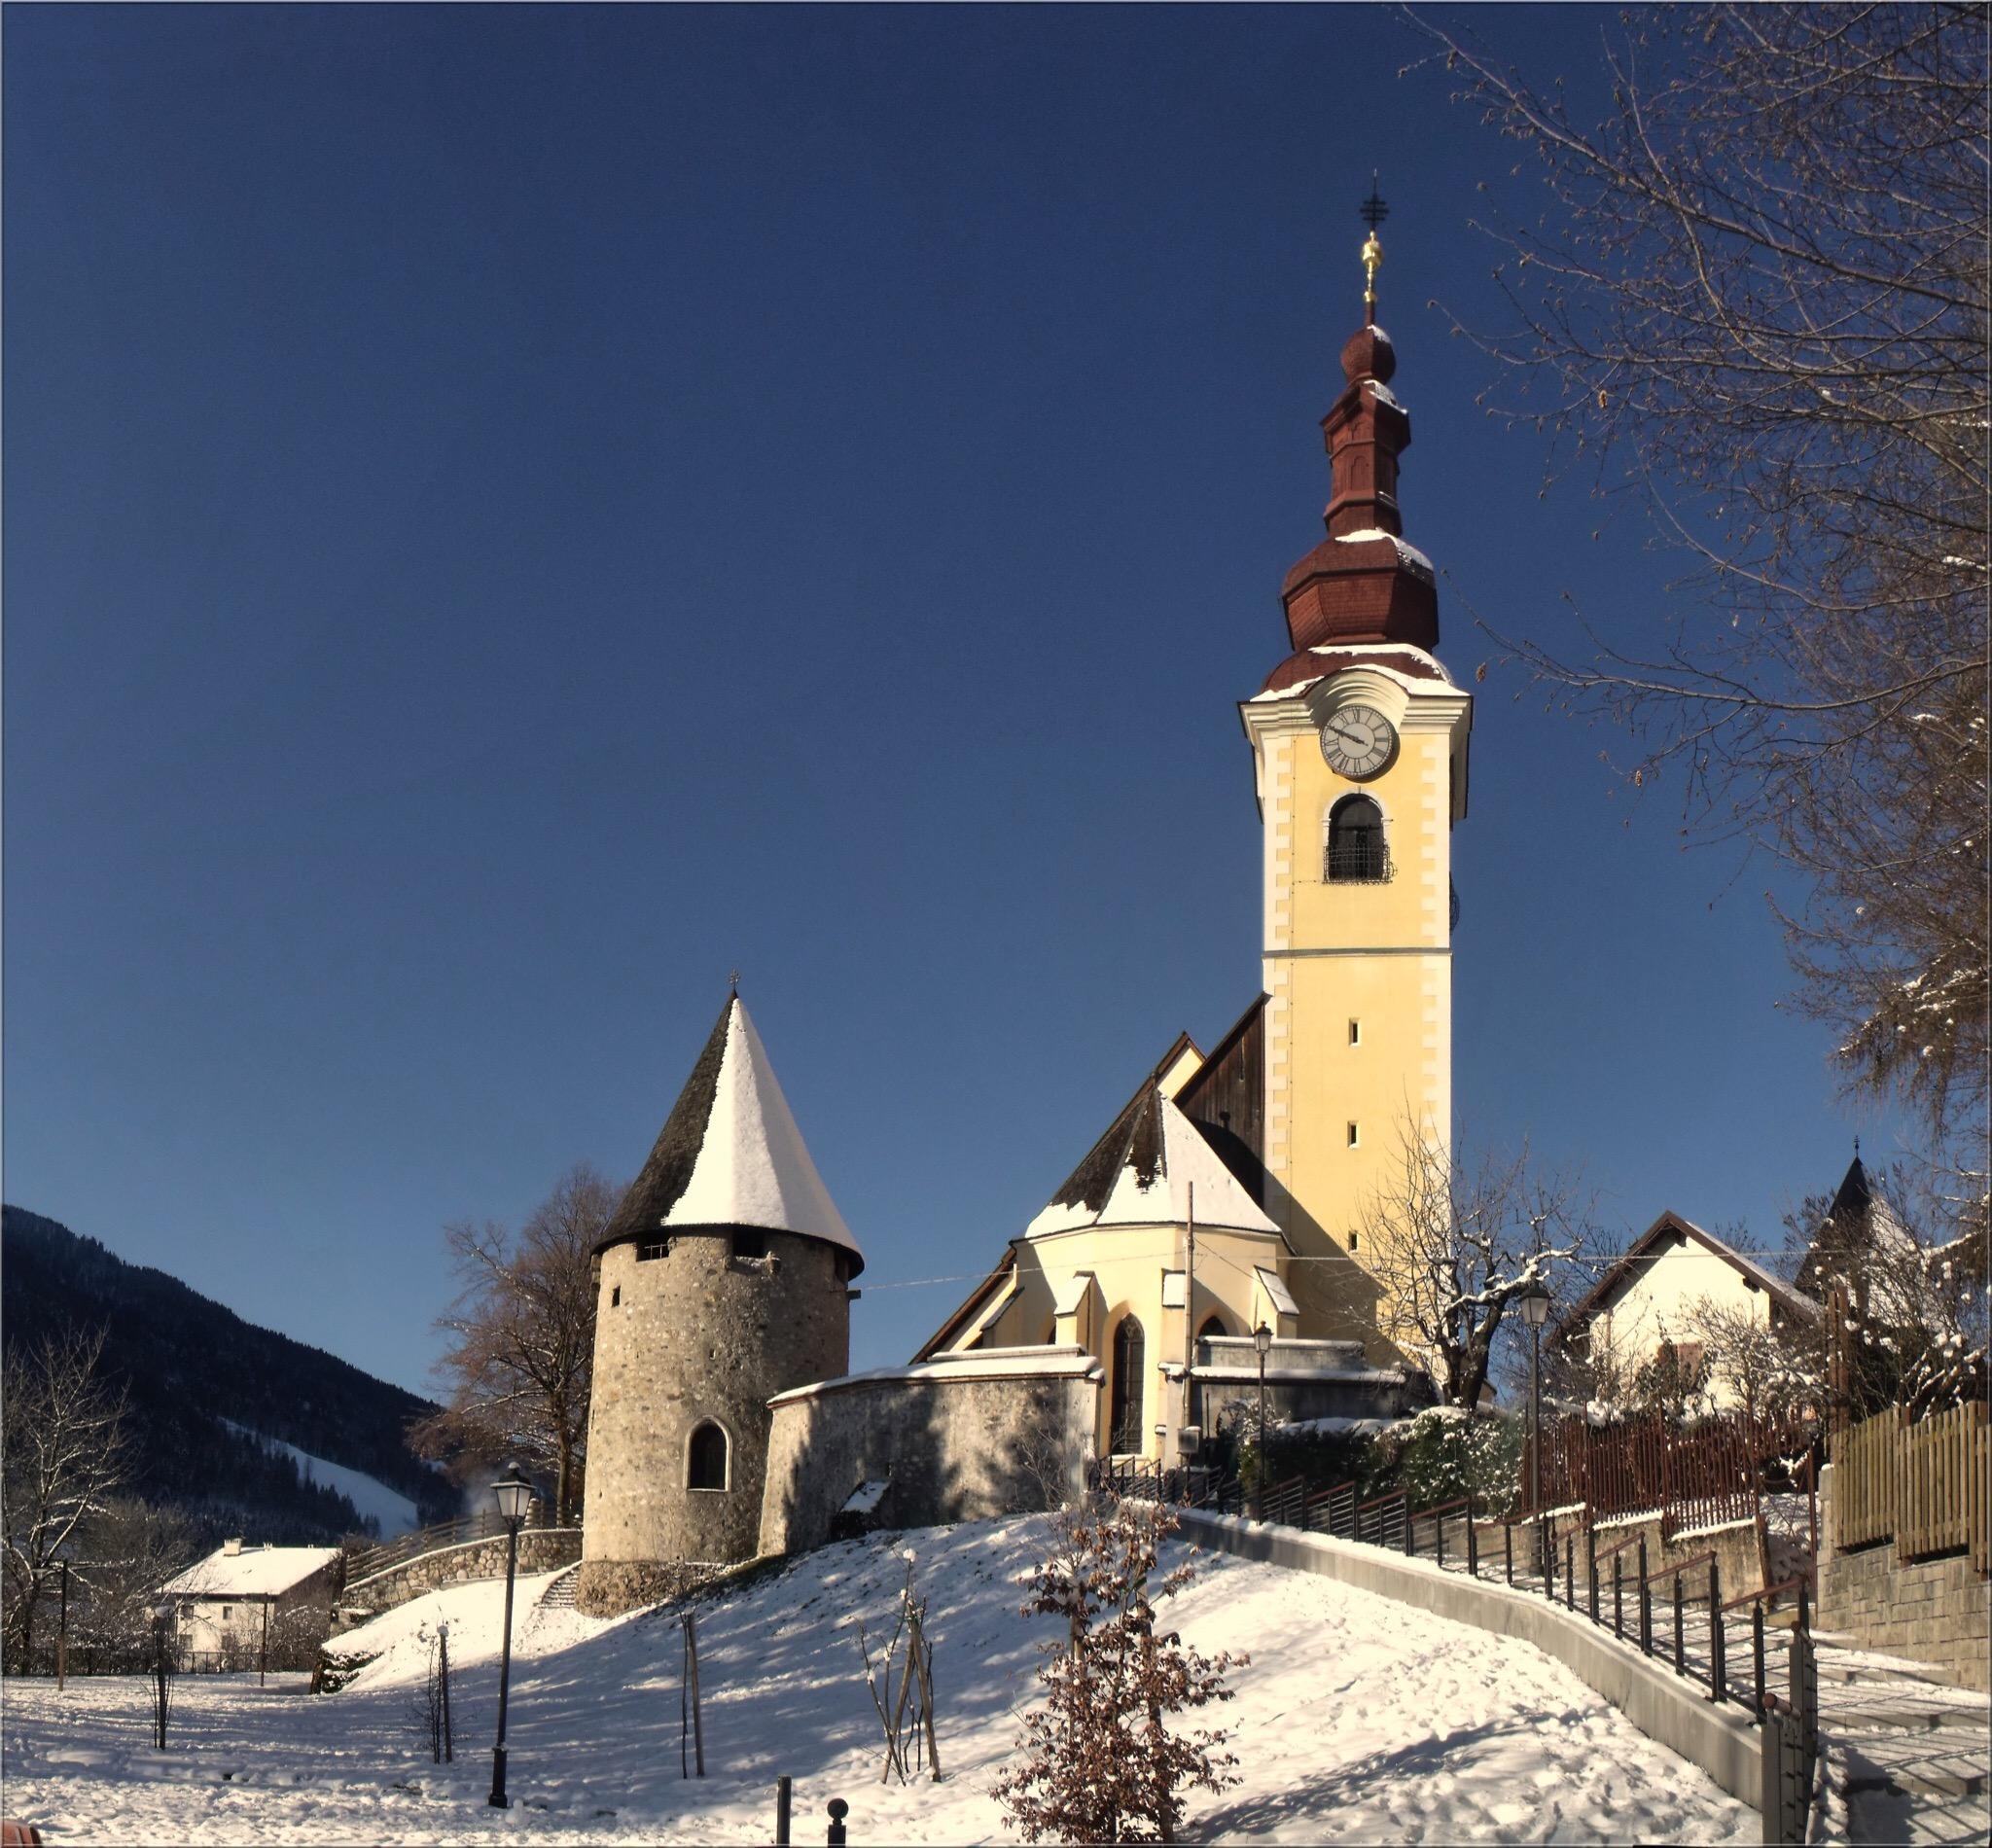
(1621,1583)
(1358,864)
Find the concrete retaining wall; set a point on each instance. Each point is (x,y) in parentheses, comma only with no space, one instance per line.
(1720,1739)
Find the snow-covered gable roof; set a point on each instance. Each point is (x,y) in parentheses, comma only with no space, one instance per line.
(730,1152)
(1141,1173)
(255,1572)
(1628,1268)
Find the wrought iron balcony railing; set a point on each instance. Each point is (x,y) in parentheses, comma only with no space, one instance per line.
(1358,863)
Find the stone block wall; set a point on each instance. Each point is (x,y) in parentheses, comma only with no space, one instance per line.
(949,1449)
(1934,1611)
(1738,1550)
(540,1549)
(695,1335)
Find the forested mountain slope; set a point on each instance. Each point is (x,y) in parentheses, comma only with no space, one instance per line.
(193,1370)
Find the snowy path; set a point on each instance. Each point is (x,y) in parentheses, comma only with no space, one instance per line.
(1358,1720)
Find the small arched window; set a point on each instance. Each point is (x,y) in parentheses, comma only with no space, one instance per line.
(1213,1328)
(1123,1435)
(1356,853)
(705,1462)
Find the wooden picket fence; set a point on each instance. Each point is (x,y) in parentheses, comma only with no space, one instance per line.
(1924,1485)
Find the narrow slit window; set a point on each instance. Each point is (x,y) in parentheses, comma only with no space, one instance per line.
(1352,1136)
(1354,1032)
(1355,1240)
(615,1298)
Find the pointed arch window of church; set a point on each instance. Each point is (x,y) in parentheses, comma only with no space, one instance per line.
(1213,1328)
(1124,1437)
(706,1458)
(1356,853)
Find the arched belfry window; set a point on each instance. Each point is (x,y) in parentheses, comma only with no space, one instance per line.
(706,1458)
(1123,1433)
(1213,1328)
(1356,853)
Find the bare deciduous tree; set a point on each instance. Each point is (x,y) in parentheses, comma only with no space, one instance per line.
(522,1349)
(1913,1273)
(1757,298)
(1453,1247)
(66,1450)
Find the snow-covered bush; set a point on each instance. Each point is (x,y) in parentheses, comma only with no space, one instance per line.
(1097,1762)
(1444,1453)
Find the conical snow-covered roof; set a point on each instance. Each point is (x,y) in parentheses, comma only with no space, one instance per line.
(730,1152)
(1141,1171)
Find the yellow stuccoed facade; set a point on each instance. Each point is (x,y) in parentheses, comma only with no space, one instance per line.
(1358,979)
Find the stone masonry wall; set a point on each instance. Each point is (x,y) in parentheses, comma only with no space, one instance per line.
(1738,1550)
(951,1449)
(1934,1611)
(694,1335)
(540,1549)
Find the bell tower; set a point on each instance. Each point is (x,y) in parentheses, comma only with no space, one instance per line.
(1359,741)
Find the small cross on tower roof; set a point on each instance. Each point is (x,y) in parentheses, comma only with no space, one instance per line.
(1372,212)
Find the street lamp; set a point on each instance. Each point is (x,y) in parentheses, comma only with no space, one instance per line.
(1262,1339)
(513,1493)
(1534,1312)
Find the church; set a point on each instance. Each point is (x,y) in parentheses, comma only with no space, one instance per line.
(1226,1196)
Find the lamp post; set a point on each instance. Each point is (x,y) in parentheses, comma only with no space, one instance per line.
(1534,1312)
(513,1492)
(1262,1339)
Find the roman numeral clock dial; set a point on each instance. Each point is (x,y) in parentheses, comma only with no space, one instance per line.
(1358,742)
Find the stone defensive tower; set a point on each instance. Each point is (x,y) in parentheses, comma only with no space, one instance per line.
(722,1279)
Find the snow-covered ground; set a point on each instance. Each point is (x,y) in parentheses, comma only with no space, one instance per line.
(1358,1720)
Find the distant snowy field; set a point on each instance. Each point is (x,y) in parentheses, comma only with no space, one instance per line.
(1358,1720)
(392,1512)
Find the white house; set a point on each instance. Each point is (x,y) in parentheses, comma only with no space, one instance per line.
(1652,1298)
(242,1604)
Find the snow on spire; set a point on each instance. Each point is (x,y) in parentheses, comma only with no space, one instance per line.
(729,1153)
(1140,1173)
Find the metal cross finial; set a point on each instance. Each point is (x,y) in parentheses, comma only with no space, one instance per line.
(1372,212)
(734,982)
(1857,1148)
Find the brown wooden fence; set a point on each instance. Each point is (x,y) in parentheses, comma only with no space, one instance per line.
(1924,1485)
(1693,1477)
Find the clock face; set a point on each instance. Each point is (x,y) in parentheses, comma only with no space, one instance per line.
(1358,741)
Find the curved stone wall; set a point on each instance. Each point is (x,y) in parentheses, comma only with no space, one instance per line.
(697,1334)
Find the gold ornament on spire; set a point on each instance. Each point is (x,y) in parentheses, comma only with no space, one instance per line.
(1372,212)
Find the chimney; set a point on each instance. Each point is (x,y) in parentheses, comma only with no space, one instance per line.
(230,1548)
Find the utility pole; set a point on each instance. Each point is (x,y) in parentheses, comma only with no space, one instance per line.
(1189,1322)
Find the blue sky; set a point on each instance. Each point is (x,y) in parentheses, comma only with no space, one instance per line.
(511,513)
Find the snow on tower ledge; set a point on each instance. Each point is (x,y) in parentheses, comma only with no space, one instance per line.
(729,1153)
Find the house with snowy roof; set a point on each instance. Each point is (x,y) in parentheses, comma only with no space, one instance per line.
(242,1604)
(1656,1297)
